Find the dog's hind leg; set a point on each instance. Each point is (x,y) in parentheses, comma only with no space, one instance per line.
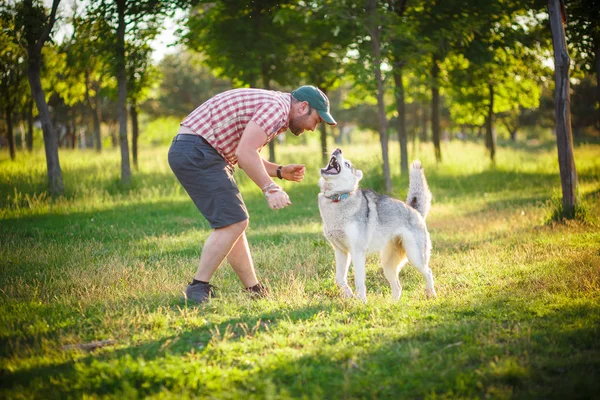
(342,261)
(393,259)
(419,257)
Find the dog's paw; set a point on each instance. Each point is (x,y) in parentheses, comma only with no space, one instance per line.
(430,292)
(362,297)
(347,292)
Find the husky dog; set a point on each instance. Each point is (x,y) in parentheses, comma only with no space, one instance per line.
(359,221)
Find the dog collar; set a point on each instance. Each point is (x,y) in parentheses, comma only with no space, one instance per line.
(336,198)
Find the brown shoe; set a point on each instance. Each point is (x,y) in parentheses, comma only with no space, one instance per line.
(258,291)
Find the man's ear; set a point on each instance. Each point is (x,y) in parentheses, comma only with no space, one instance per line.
(358,174)
(304,107)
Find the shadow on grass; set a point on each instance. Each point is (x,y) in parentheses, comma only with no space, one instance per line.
(195,339)
(494,350)
(448,360)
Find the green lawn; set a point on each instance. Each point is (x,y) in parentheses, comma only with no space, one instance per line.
(517,313)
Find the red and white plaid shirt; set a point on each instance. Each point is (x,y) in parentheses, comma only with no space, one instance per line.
(221,120)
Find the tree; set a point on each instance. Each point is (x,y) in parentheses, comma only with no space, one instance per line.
(88,53)
(368,51)
(498,71)
(403,45)
(140,74)
(374,26)
(445,26)
(13,71)
(242,41)
(185,83)
(33,28)
(124,19)
(436,27)
(583,29)
(319,46)
(564,137)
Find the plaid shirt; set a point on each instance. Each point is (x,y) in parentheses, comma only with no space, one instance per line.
(221,120)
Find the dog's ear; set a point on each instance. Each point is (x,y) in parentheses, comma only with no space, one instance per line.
(321,183)
(358,174)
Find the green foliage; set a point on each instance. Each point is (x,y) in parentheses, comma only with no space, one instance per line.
(13,69)
(185,84)
(517,314)
(159,131)
(583,32)
(242,42)
(497,55)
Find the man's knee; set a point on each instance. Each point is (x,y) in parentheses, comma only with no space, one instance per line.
(242,225)
(238,227)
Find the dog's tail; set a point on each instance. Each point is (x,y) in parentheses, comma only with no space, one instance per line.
(419,195)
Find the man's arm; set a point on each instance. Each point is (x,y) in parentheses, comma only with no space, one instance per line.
(248,155)
(290,172)
(251,162)
(270,167)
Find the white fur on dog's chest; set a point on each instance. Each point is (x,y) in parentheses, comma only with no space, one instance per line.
(340,223)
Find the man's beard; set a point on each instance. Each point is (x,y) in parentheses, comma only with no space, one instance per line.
(296,123)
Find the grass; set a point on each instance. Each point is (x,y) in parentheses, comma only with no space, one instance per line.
(517,313)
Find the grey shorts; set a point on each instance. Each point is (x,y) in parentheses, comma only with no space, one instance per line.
(208,179)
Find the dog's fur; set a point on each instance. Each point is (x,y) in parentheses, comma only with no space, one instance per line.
(358,221)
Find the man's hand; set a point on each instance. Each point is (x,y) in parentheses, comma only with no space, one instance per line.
(293,172)
(278,199)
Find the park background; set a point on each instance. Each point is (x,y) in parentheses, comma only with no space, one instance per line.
(98,239)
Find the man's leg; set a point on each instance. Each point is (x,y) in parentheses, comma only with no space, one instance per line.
(241,261)
(217,246)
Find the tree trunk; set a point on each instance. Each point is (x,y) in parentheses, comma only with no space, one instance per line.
(9,133)
(323,130)
(324,152)
(562,110)
(122,102)
(375,32)
(134,134)
(512,131)
(435,107)
(597,54)
(113,134)
(424,132)
(69,133)
(29,136)
(74,130)
(490,138)
(417,123)
(401,108)
(55,180)
(94,107)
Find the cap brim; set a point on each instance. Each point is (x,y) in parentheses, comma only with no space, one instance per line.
(327,117)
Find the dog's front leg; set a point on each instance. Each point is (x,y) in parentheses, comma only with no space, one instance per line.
(360,273)
(342,261)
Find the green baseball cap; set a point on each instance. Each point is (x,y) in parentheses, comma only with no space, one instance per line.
(316,99)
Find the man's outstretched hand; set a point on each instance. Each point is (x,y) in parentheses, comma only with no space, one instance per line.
(293,172)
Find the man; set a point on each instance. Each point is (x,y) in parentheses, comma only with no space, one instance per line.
(231,128)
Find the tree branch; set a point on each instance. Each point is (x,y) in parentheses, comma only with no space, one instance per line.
(52,20)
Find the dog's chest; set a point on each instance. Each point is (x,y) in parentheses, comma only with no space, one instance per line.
(339,222)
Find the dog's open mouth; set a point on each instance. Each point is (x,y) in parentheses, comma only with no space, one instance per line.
(333,167)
